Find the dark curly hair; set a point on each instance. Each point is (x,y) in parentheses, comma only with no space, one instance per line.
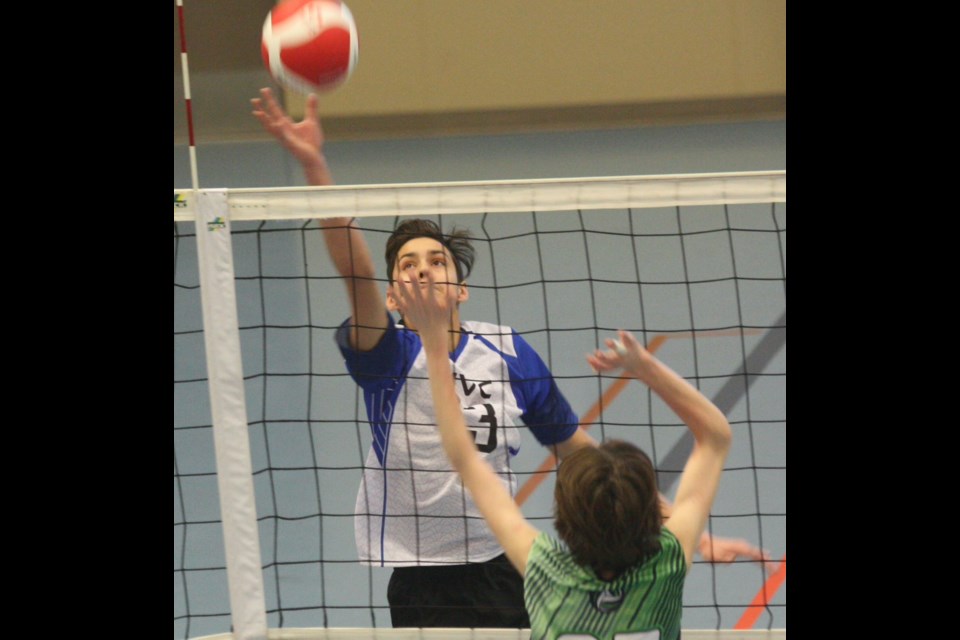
(457,243)
(607,507)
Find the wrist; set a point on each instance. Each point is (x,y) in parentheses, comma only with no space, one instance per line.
(434,341)
(317,172)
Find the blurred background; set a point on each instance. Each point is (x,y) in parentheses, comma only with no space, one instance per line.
(443,67)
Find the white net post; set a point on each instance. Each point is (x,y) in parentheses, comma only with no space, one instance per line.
(228,408)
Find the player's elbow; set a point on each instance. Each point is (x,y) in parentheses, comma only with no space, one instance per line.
(714,432)
(721,436)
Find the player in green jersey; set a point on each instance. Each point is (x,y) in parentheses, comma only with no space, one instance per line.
(620,569)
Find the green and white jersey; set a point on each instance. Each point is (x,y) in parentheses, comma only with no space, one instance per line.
(566,600)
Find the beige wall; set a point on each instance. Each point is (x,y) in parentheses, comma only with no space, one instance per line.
(442,66)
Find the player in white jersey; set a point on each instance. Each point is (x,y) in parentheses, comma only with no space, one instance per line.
(412,512)
(503,385)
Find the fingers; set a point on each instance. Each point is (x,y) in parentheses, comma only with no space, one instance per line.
(267,94)
(310,109)
(260,104)
(603,360)
(757,554)
(267,111)
(726,550)
(627,339)
(410,293)
(754,553)
(762,555)
(258,110)
(594,363)
(401,296)
(270,106)
(616,346)
(257,106)
(402,292)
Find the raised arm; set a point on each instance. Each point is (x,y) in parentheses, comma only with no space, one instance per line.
(428,306)
(345,242)
(710,429)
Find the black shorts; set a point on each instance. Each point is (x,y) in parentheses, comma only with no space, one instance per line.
(483,595)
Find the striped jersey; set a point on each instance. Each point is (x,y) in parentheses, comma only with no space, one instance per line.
(563,597)
(412,507)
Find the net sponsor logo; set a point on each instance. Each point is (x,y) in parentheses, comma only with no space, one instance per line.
(179,201)
(216,223)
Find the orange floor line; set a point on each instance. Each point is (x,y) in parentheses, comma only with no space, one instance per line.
(586,422)
(764,596)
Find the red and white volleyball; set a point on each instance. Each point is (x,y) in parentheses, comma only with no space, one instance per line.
(310,46)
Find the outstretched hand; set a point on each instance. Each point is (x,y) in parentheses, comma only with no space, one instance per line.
(626,353)
(303,139)
(716,549)
(426,304)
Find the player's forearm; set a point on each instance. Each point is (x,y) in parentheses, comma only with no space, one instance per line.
(666,509)
(577,441)
(350,255)
(453,429)
(316,171)
(347,248)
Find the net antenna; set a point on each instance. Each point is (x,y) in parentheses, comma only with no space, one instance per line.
(194,179)
(214,210)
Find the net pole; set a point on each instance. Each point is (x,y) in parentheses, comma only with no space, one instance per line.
(227,400)
(228,408)
(194,179)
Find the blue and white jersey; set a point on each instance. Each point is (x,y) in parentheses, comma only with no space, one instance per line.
(412,507)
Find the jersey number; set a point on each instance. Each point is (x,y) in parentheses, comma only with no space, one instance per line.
(491,421)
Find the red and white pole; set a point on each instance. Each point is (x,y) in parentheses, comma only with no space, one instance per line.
(186,94)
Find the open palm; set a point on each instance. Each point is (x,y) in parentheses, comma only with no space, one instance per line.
(303,139)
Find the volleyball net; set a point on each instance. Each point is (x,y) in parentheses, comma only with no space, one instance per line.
(271,433)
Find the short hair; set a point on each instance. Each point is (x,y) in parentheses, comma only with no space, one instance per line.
(457,243)
(607,508)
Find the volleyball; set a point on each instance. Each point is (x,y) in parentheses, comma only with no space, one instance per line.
(310,46)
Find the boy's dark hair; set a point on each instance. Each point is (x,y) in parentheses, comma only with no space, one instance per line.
(457,243)
(607,508)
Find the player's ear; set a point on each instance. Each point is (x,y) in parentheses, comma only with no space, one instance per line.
(463,293)
(391,302)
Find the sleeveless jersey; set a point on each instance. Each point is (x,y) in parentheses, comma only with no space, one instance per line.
(563,597)
(412,507)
